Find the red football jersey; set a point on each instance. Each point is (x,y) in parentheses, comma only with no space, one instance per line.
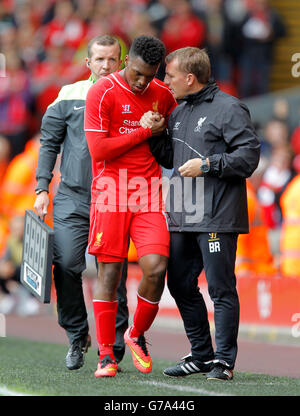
(121,157)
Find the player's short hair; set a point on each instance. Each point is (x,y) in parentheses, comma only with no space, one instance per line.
(192,61)
(149,48)
(104,40)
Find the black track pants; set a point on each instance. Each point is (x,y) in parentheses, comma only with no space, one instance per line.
(215,252)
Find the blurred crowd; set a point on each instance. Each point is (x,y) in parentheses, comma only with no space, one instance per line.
(44,44)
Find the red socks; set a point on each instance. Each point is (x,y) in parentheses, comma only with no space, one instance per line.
(144,316)
(105,321)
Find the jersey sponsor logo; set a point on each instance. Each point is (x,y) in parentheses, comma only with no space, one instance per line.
(129,126)
(199,124)
(214,243)
(78,108)
(98,239)
(213,237)
(126,109)
(126,130)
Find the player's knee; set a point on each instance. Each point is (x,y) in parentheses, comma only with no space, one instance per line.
(108,279)
(156,267)
(109,283)
(156,277)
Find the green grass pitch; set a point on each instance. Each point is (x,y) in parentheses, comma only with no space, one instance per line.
(38,369)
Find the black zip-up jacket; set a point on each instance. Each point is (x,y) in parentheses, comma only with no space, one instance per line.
(213,124)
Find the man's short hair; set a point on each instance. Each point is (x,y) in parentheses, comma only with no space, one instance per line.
(192,61)
(103,40)
(149,48)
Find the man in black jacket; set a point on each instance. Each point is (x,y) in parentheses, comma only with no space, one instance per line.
(215,148)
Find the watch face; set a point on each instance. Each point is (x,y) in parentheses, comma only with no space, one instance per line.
(204,166)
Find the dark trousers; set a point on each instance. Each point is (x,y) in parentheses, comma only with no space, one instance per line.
(71,231)
(189,253)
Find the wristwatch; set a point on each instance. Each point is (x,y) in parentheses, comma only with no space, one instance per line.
(205,166)
(38,191)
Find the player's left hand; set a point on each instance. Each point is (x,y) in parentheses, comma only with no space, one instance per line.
(191,168)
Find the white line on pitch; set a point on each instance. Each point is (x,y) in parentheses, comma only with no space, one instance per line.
(4,391)
(186,389)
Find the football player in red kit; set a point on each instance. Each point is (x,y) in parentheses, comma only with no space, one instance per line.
(127,196)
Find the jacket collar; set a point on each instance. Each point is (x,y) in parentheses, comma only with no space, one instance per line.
(206,94)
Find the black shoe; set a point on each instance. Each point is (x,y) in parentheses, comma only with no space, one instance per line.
(75,355)
(220,371)
(188,366)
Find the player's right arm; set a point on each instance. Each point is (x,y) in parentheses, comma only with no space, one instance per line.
(98,113)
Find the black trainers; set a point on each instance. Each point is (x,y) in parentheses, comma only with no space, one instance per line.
(188,366)
(220,371)
(75,355)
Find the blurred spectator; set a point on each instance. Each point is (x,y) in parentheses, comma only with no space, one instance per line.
(51,74)
(234,12)
(216,21)
(4,230)
(141,25)
(254,256)
(276,177)
(6,13)
(158,12)
(13,293)
(4,161)
(295,137)
(29,46)
(281,110)
(5,149)
(65,29)
(85,10)
(295,144)
(100,22)
(15,102)
(183,28)
(259,31)
(275,136)
(278,173)
(290,234)
(17,191)
(42,11)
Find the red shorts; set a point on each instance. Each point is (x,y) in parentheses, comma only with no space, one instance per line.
(110,232)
